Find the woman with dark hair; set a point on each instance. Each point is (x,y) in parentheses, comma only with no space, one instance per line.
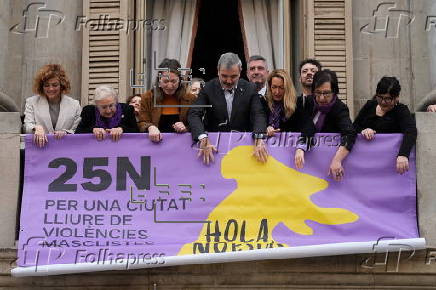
(164,108)
(50,110)
(280,104)
(331,115)
(107,116)
(385,114)
(135,101)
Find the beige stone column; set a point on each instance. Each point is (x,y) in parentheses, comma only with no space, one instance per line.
(10,127)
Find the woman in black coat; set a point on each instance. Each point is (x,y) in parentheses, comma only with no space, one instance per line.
(385,114)
(107,116)
(331,115)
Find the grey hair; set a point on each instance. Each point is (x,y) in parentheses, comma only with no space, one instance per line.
(104,91)
(229,59)
(257,57)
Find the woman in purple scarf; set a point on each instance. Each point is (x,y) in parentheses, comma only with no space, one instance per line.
(283,114)
(107,116)
(331,115)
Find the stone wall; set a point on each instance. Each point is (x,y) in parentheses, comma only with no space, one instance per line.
(405,50)
(24,51)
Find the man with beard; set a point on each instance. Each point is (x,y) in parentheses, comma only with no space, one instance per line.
(308,68)
(228,103)
(257,72)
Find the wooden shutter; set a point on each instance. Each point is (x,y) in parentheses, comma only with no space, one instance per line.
(329,32)
(106,51)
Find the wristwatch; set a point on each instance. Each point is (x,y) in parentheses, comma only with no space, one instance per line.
(259,136)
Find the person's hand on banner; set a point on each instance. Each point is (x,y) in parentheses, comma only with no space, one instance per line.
(336,170)
(115,133)
(270,131)
(402,164)
(368,133)
(99,133)
(179,127)
(59,134)
(260,151)
(207,150)
(40,138)
(299,158)
(154,134)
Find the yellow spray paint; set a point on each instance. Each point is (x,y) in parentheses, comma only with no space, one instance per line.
(266,195)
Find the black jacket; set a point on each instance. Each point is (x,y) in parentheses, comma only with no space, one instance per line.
(397,120)
(247,112)
(87,124)
(336,121)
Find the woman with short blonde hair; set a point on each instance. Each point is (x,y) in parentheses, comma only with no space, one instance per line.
(50,110)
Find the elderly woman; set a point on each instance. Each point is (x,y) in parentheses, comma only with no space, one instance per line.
(385,114)
(107,116)
(283,114)
(164,108)
(50,110)
(331,115)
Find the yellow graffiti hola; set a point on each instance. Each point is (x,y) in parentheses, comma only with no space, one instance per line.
(270,191)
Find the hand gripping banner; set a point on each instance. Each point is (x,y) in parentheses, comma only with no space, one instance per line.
(93,206)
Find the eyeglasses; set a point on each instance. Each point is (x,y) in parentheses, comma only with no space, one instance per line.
(385,99)
(325,93)
(165,79)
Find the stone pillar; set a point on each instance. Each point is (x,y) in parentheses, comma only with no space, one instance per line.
(431,31)
(10,127)
(426,168)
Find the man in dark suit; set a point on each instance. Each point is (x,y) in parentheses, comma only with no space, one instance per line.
(233,105)
(257,73)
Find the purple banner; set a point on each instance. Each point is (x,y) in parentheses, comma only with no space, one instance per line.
(133,201)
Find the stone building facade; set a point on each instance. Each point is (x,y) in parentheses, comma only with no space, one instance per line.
(361,39)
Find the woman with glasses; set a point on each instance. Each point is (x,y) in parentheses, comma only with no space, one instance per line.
(51,111)
(385,114)
(331,115)
(164,108)
(107,116)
